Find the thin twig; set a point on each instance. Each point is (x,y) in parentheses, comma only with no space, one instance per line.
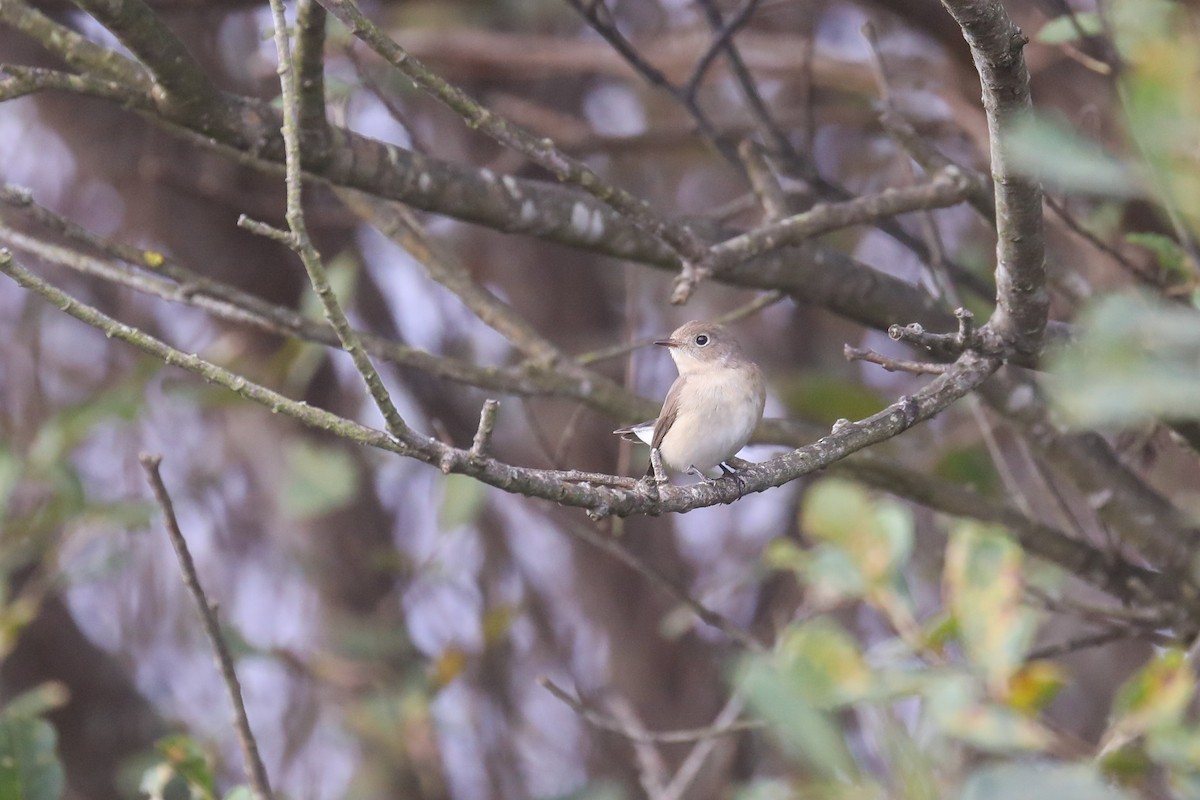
(892,364)
(303,246)
(680,238)
(487,423)
(725,721)
(618,551)
(662,737)
(256,773)
(724,33)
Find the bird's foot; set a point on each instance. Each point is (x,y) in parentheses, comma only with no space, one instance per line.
(656,466)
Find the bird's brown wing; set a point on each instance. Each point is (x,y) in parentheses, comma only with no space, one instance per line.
(670,410)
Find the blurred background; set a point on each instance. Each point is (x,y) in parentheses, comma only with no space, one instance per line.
(391,623)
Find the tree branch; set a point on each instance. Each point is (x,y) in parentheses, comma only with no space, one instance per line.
(680,238)
(1022,302)
(304,248)
(256,773)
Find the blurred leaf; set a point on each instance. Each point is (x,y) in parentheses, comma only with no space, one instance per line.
(1155,697)
(826,398)
(10,470)
(319,480)
(38,700)
(1039,781)
(1170,256)
(939,629)
(342,272)
(1052,152)
(594,791)
(1160,61)
(1063,29)
(960,711)
(1176,746)
(240,792)
(1136,358)
(803,730)
(983,585)
(875,535)
(825,660)
(462,501)
(29,765)
(184,759)
(448,666)
(1034,685)
(64,431)
(766,789)
(497,622)
(972,467)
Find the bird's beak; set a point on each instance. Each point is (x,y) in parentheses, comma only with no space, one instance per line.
(666,342)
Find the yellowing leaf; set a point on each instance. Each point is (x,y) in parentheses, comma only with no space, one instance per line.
(319,480)
(448,666)
(1033,686)
(875,535)
(983,587)
(825,661)
(1155,697)
(496,624)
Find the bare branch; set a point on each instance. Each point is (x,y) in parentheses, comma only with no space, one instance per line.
(603,722)
(680,238)
(947,188)
(487,424)
(310,79)
(1022,302)
(256,773)
(304,248)
(893,364)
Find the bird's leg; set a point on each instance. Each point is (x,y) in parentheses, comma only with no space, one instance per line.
(697,473)
(660,475)
(730,472)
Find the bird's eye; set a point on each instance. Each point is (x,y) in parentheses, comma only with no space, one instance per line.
(701,340)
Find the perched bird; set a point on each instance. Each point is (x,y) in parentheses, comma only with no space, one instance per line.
(711,409)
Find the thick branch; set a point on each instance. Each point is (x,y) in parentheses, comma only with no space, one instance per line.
(565,488)
(181,88)
(1022,302)
(541,151)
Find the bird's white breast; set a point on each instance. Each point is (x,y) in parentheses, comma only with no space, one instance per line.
(715,419)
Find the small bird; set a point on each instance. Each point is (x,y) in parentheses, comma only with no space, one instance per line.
(710,410)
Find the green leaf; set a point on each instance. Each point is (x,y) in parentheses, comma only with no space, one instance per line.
(239,792)
(1156,697)
(983,584)
(37,701)
(1170,255)
(462,500)
(972,467)
(826,398)
(825,661)
(29,765)
(1039,781)
(184,771)
(875,535)
(959,710)
(1135,360)
(1064,29)
(805,732)
(10,470)
(319,480)
(1050,151)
